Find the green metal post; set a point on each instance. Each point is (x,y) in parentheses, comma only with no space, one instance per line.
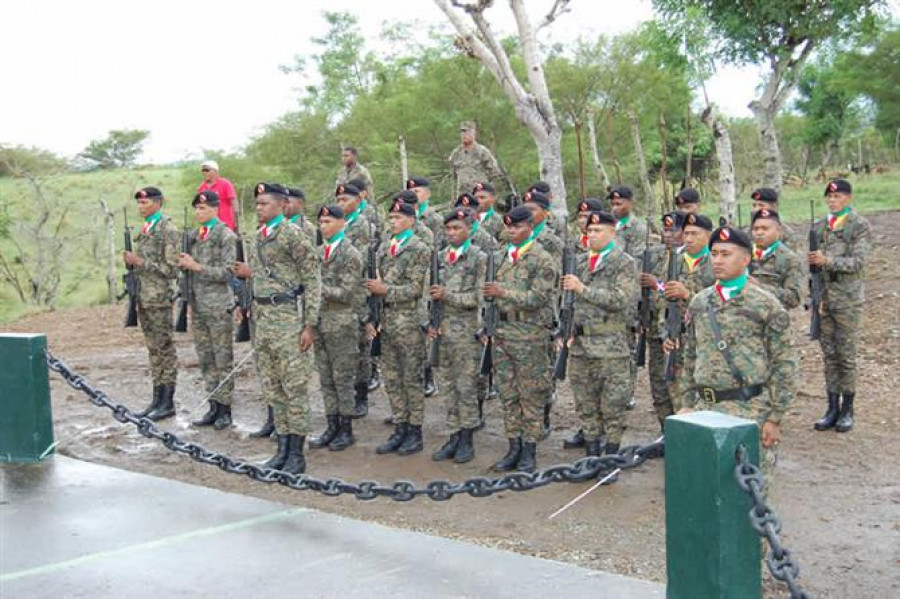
(711,549)
(26,423)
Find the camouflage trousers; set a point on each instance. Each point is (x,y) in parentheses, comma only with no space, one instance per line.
(213,341)
(523,379)
(458,380)
(402,360)
(676,393)
(156,324)
(284,373)
(656,369)
(601,390)
(364,363)
(840,332)
(337,361)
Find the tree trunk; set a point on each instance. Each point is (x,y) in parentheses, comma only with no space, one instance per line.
(826,155)
(689,149)
(551,164)
(765,123)
(724,156)
(404,165)
(649,199)
(598,164)
(663,171)
(580,159)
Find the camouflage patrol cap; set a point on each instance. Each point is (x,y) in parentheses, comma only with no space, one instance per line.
(270,188)
(346,190)
(731,235)
(697,220)
(601,217)
(765,213)
(465,199)
(148,192)
(332,210)
(461,214)
(590,205)
(519,214)
(838,186)
(468,126)
(765,194)
(208,197)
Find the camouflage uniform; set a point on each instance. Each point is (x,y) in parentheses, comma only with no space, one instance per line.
(283,262)
(779,272)
(847,251)
(492,223)
(632,236)
(521,342)
(301,222)
(210,308)
(550,242)
(656,358)
(473,165)
(601,353)
(460,351)
(359,233)
(357,171)
(402,342)
(337,344)
(431,219)
(483,239)
(159,247)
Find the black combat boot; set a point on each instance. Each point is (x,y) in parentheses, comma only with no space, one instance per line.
(575,441)
(610,448)
(389,421)
(465,451)
(430,386)
(154,403)
(545,427)
(395,440)
(296,461)
(166,407)
(592,447)
(361,408)
(223,420)
(328,435)
(448,450)
(281,454)
(413,441)
(344,438)
(527,457)
(831,415)
(268,427)
(509,461)
(211,414)
(845,418)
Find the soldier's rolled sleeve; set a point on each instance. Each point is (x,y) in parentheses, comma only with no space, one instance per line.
(782,381)
(856,261)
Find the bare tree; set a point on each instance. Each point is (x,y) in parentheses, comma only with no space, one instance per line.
(532,103)
(722,140)
(598,163)
(646,186)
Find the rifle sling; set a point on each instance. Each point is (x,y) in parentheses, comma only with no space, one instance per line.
(722,346)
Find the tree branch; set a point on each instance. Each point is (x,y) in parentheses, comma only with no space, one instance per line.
(559,8)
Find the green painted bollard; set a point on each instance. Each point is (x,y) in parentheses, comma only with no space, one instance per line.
(26,424)
(711,550)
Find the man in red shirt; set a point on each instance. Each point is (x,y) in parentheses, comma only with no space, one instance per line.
(223,187)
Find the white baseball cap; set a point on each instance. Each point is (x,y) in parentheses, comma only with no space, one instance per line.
(210,164)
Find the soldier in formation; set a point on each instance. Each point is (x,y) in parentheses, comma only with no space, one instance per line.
(774,265)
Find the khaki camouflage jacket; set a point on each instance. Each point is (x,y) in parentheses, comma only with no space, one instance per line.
(847,251)
(780,274)
(304,224)
(493,224)
(360,232)
(159,248)
(530,286)
(484,240)
(343,294)
(358,171)
(633,236)
(216,254)
(405,275)
(474,165)
(463,281)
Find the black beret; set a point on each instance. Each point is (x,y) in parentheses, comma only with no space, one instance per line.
(765,213)
(465,199)
(462,214)
(274,188)
(208,197)
(519,214)
(698,220)
(765,194)
(417,182)
(541,186)
(346,190)
(401,207)
(148,192)
(688,195)
(296,192)
(483,187)
(622,192)
(590,205)
(731,235)
(408,196)
(601,218)
(359,183)
(537,197)
(838,186)
(332,210)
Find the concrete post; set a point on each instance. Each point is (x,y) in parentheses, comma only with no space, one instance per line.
(711,549)
(26,423)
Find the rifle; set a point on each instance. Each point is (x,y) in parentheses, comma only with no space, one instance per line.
(673,316)
(374,303)
(566,318)
(243,294)
(130,279)
(488,323)
(816,280)
(435,313)
(645,307)
(185,281)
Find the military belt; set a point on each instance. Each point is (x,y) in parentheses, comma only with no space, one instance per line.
(599,328)
(527,317)
(402,305)
(275,300)
(737,394)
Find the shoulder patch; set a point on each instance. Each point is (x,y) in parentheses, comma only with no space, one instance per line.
(781,321)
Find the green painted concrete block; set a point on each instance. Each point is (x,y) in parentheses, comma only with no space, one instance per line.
(712,552)
(26,422)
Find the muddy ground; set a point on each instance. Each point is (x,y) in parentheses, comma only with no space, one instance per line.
(839,495)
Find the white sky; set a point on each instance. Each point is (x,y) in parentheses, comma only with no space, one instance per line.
(206,74)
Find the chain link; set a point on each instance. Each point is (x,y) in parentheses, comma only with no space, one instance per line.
(438,490)
(780,560)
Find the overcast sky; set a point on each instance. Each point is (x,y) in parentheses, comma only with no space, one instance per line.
(206,74)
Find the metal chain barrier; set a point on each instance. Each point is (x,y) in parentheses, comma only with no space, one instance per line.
(438,490)
(767,524)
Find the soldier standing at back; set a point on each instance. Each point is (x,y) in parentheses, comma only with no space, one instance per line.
(471,162)
(402,267)
(293,211)
(774,265)
(523,288)
(354,170)
(286,295)
(601,351)
(844,246)
(687,200)
(154,258)
(337,343)
(578,230)
(631,232)
(767,199)
(487,210)
(211,260)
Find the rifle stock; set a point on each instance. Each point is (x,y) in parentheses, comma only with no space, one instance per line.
(489,323)
(374,304)
(435,313)
(566,318)
(645,307)
(185,281)
(130,279)
(673,316)
(243,296)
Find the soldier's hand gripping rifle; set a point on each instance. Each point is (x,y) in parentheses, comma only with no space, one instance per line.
(645,306)
(566,318)
(185,281)
(130,279)
(374,303)
(673,316)
(816,279)
(435,313)
(488,324)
